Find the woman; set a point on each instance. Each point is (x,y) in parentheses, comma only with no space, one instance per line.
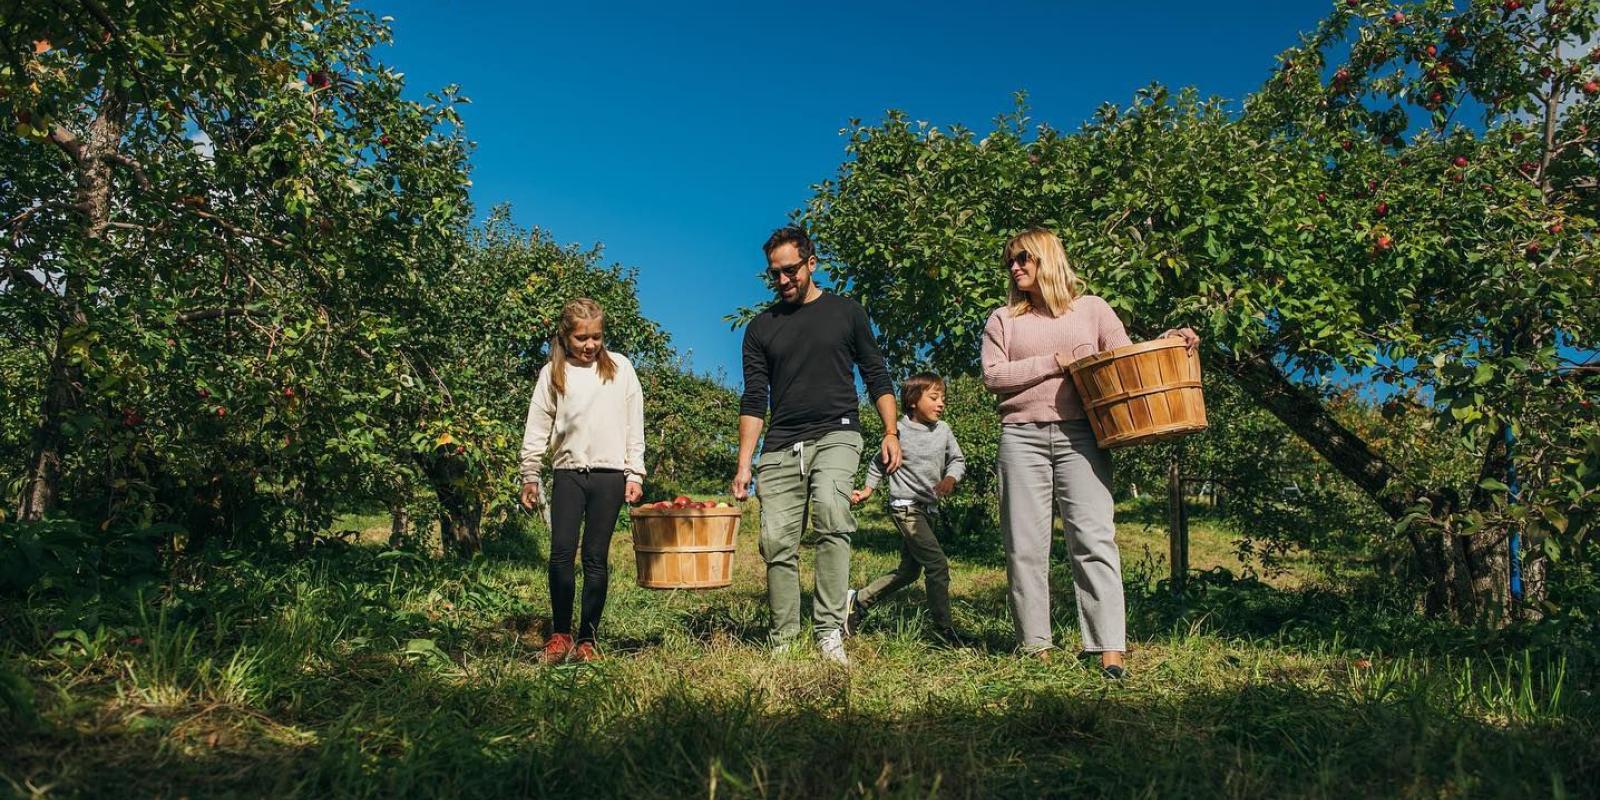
(589,409)
(1048,454)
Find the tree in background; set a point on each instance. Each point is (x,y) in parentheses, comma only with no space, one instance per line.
(485,335)
(239,286)
(212,211)
(1418,214)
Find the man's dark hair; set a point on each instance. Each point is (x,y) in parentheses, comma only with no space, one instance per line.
(917,385)
(790,234)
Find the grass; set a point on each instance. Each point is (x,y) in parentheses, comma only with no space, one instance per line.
(353,671)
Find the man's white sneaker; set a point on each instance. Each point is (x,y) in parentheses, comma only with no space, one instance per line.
(831,644)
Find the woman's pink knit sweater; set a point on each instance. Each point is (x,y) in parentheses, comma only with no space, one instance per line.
(1019,357)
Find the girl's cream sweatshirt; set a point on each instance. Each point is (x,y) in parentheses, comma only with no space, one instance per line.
(593,425)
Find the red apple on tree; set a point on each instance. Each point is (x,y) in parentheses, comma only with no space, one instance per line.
(1460,161)
(1383,242)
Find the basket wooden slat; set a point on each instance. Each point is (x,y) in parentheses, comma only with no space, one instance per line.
(1141,393)
(689,548)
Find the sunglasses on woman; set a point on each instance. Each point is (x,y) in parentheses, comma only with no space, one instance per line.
(1022,257)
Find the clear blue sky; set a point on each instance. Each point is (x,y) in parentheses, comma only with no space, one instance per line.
(680,134)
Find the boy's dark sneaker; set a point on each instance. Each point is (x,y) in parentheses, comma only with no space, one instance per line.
(853,614)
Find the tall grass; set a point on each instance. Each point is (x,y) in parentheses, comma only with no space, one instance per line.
(359,672)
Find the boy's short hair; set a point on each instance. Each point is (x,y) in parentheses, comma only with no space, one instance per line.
(917,385)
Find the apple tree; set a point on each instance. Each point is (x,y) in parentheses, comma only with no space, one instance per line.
(215,212)
(1408,201)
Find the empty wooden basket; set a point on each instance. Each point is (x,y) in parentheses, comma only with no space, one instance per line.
(1141,393)
(685,548)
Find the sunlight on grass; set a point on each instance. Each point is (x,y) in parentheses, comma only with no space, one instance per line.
(362,671)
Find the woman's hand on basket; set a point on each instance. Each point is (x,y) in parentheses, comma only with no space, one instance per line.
(1190,339)
(633,492)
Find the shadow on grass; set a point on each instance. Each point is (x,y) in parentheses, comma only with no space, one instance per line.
(589,732)
(326,717)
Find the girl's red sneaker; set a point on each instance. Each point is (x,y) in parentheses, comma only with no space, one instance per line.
(585,653)
(557,649)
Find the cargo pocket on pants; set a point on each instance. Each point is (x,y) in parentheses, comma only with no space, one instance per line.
(831,505)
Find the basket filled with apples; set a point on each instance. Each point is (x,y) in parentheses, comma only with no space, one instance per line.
(685,544)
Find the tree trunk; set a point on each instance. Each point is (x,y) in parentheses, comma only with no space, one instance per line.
(1178,522)
(1303,412)
(1468,575)
(399,523)
(1447,564)
(461,524)
(92,157)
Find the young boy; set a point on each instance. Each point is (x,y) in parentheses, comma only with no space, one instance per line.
(931,465)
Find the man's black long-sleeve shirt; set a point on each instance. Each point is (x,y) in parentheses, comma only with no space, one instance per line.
(800,358)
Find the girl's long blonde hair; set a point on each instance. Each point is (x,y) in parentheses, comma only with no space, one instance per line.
(580,309)
(1058,281)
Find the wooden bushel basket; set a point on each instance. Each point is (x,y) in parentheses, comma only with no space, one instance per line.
(1141,393)
(685,548)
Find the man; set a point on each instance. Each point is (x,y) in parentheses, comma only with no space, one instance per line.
(798,358)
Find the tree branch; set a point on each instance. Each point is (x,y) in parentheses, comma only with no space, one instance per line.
(100,15)
(67,142)
(215,313)
(133,166)
(232,228)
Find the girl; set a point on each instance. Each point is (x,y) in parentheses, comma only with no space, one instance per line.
(1048,453)
(588,408)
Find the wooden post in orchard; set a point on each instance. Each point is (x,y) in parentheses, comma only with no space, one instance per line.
(1178,521)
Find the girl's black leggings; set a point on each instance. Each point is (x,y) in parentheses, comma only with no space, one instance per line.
(589,500)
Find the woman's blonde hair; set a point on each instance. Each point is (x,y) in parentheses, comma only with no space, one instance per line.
(1058,281)
(571,314)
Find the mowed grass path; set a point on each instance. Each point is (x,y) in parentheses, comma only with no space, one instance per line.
(352,672)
